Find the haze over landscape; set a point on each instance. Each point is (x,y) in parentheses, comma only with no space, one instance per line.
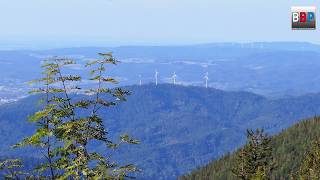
(261,74)
(51,24)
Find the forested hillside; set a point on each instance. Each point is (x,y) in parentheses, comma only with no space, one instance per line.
(289,149)
(179,127)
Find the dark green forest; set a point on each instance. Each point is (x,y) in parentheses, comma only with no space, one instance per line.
(163,118)
(179,127)
(289,150)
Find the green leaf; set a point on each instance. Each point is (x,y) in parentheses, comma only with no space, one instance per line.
(111,80)
(105,54)
(92,63)
(126,138)
(95,78)
(38,115)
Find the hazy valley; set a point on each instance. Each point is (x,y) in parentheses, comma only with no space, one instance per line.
(270,69)
(180,128)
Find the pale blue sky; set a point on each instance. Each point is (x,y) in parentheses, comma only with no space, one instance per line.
(120,22)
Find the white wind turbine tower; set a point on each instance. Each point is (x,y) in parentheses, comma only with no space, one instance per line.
(206,78)
(156,77)
(140,80)
(174,77)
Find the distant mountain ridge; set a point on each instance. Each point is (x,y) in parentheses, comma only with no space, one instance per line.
(180,127)
(200,52)
(272,69)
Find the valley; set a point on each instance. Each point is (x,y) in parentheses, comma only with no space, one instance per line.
(269,69)
(180,128)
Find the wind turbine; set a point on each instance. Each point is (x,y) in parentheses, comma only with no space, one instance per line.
(156,76)
(140,81)
(174,78)
(206,78)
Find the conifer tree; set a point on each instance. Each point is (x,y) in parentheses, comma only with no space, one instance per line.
(310,167)
(254,160)
(68,124)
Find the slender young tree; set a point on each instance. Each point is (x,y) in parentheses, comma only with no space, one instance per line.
(68,125)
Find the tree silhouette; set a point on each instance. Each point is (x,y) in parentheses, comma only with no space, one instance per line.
(254,160)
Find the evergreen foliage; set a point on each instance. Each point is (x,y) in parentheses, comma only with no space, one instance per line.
(310,167)
(295,154)
(255,158)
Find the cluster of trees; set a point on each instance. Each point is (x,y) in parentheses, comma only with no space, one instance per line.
(68,127)
(256,162)
(221,118)
(310,168)
(293,154)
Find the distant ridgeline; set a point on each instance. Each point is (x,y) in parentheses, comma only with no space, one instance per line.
(182,128)
(289,150)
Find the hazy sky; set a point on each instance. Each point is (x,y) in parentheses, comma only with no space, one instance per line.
(77,22)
